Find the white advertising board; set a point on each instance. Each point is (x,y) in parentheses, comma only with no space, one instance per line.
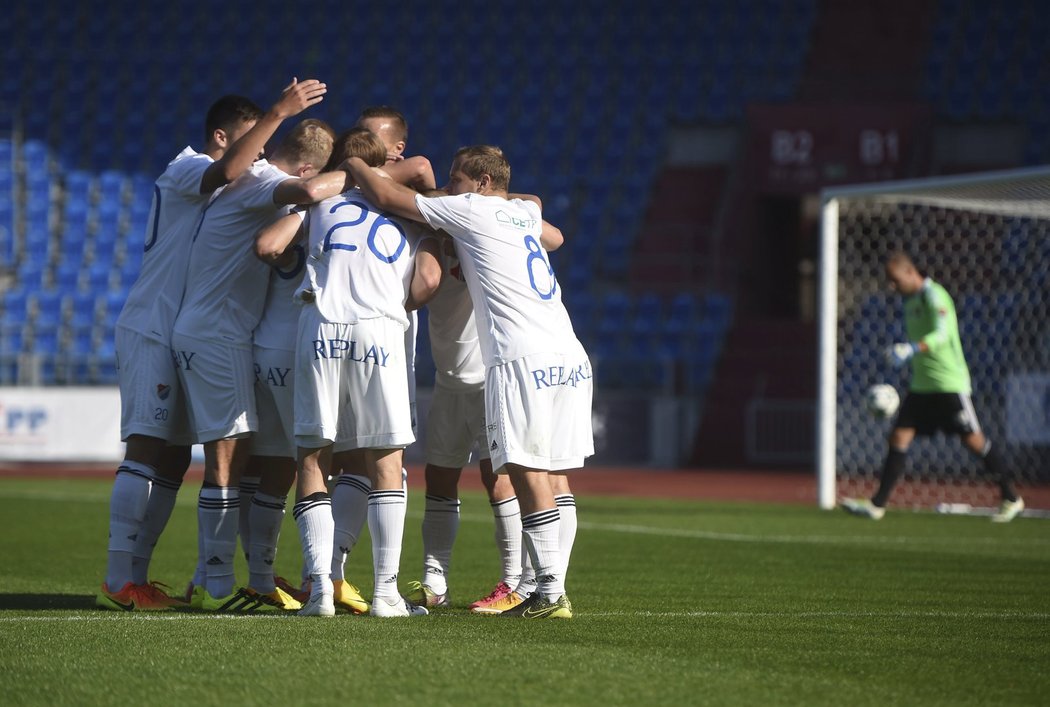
(60,424)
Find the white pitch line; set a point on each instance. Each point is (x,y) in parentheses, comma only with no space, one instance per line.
(904,542)
(902,615)
(830,614)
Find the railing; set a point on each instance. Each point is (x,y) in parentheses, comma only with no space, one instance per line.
(780,431)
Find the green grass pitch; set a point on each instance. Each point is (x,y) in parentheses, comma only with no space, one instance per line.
(676,603)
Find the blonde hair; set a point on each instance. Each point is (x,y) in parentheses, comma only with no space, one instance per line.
(477,160)
(358,142)
(309,142)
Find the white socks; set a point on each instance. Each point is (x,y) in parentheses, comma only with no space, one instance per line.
(350,511)
(127,509)
(440,524)
(162,495)
(567,534)
(507,515)
(218,513)
(386,524)
(313,516)
(542,530)
(265,515)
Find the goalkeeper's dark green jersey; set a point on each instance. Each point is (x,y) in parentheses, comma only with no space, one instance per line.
(929,318)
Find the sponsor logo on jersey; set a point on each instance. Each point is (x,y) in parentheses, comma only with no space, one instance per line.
(184,359)
(554,376)
(505,219)
(343,348)
(274,376)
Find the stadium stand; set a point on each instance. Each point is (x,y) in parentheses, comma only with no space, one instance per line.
(105,94)
(574,129)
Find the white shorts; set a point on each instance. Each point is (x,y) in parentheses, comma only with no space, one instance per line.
(350,384)
(274,403)
(538,410)
(410,362)
(151,399)
(219,382)
(455,424)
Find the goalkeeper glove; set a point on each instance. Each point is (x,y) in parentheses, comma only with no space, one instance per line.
(900,354)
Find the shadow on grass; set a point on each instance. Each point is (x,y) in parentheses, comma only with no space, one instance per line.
(49,602)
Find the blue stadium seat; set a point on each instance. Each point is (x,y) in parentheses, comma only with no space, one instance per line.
(81,340)
(67,275)
(84,306)
(11,336)
(683,308)
(717,309)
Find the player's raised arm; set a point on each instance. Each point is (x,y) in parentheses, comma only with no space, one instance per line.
(427,274)
(242,153)
(415,172)
(312,190)
(551,237)
(387,194)
(272,241)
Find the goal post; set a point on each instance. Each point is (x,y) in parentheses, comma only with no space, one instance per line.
(986,238)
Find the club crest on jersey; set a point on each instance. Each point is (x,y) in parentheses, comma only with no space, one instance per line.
(505,219)
(163,391)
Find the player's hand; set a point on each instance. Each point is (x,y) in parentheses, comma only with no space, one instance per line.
(900,354)
(394,157)
(298,96)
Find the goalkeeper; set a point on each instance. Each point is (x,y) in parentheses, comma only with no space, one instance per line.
(939,394)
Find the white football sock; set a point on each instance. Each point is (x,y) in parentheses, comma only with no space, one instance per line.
(386,525)
(507,515)
(248,486)
(350,512)
(265,516)
(127,509)
(567,512)
(218,512)
(161,502)
(542,530)
(440,524)
(313,516)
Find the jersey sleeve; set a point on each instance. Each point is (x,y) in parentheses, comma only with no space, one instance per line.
(184,175)
(447,213)
(262,194)
(939,307)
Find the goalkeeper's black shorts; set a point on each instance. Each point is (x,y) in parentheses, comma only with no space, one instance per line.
(929,413)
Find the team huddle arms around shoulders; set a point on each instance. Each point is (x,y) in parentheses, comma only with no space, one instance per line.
(274,322)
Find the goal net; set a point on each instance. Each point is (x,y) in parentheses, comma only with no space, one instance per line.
(986,238)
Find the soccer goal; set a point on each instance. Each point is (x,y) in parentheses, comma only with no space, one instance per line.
(986,238)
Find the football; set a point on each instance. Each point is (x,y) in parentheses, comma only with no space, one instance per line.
(882,400)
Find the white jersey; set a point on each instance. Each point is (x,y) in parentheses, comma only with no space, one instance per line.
(360,263)
(517,301)
(454,330)
(154,299)
(226,283)
(280,318)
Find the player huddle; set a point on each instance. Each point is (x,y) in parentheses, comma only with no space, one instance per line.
(273,321)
